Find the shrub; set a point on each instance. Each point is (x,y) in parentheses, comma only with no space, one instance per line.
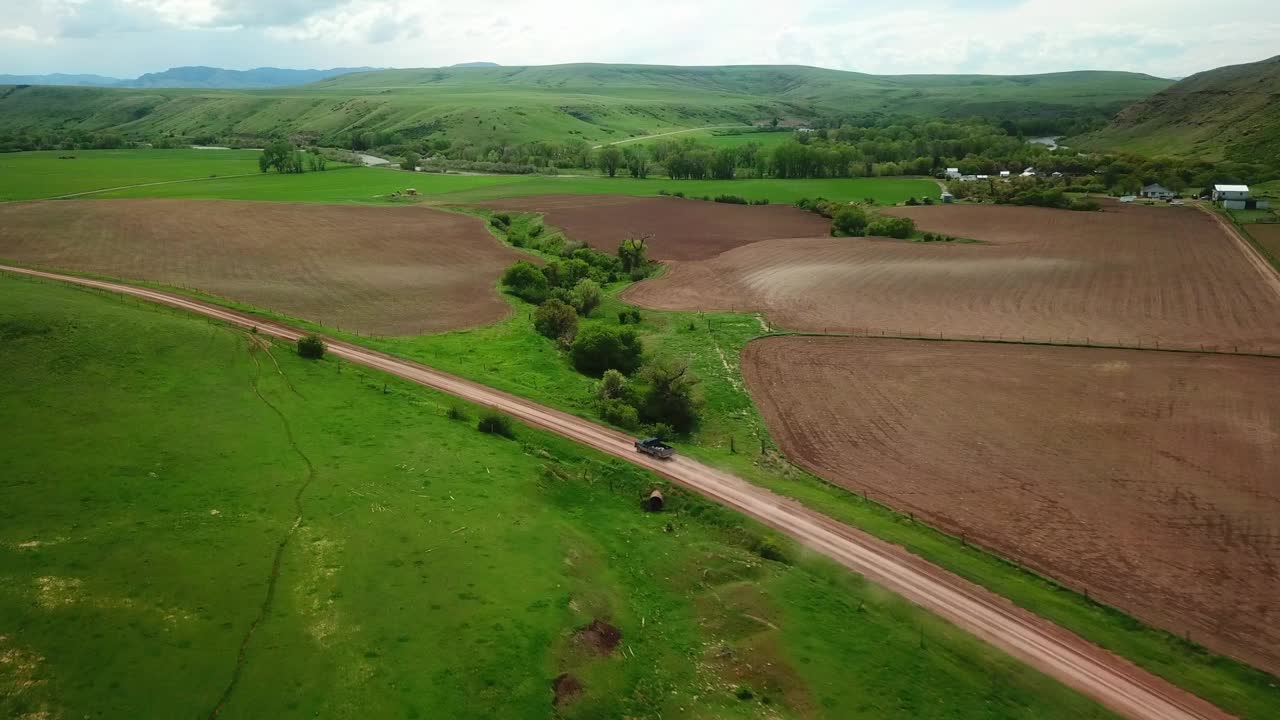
(678,193)
(894,227)
(556,320)
(765,201)
(536,231)
(495,423)
(629,317)
(586,296)
(620,413)
(598,349)
(663,192)
(1084,205)
(311,347)
(612,385)
(912,201)
(731,199)
(502,220)
(768,549)
(565,273)
(526,281)
(928,200)
(456,413)
(849,221)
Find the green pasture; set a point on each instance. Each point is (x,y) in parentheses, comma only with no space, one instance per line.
(157,465)
(33,175)
(374,184)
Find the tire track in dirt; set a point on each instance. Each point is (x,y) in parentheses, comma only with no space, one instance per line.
(242,657)
(1113,681)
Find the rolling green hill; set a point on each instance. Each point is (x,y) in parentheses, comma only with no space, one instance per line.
(597,103)
(1232,113)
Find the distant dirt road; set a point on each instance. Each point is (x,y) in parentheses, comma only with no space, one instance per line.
(1112,681)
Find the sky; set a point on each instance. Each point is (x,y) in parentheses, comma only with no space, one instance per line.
(125,38)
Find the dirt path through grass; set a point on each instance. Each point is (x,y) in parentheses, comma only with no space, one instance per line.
(1114,682)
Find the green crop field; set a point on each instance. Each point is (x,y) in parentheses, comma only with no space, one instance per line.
(32,175)
(196,522)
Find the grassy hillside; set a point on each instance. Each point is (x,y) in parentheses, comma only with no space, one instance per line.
(597,103)
(1232,113)
(160,466)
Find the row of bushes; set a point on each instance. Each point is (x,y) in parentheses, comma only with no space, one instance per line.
(727,199)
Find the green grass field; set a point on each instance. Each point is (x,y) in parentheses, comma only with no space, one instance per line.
(373,184)
(156,463)
(32,175)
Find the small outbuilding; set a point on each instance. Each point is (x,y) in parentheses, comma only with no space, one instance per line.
(1005,173)
(655,502)
(953,173)
(1157,191)
(948,197)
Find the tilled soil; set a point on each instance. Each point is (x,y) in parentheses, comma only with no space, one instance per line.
(1130,275)
(1268,236)
(1149,479)
(681,229)
(375,270)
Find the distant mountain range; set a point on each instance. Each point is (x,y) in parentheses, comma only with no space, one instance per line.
(191,77)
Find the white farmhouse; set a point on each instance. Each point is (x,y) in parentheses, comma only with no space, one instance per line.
(1157,191)
(953,173)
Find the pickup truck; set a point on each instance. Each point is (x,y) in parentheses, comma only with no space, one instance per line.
(656,448)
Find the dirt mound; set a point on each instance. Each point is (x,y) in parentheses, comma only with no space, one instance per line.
(1131,275)
(375,270)
(599,637)
(1146,478)
(567,688)
(681,229)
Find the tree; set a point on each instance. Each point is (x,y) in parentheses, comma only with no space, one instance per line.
(410,161)
(849,221)
(637,161)
(282,156)
(526,281)
(609,159)
(670,395)
(633,253)
(586,296)
(894,227)
(556,320)
(602,348)
(612,386)
(311,347)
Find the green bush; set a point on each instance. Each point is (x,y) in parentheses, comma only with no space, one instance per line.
(1084,205)
(495,423)
(556,320)
(456,413)
(849,221)
(311,347)
(586,296)
(526,281)
(731,199)
(620,413)
(629,317)
(893,227)
(602,348)
(500,220)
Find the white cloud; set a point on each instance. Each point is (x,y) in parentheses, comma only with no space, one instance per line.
(22,33)
(924,36)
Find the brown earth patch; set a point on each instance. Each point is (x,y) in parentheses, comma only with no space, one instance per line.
(376,270)
(1268,236)
(567,688)
(1148,479)
(1129,275)
(600,637)
(681,229)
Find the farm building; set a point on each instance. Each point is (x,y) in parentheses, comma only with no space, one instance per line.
(1005,173)
(1236,197)
(948,197)
(953,173)
(1157,191)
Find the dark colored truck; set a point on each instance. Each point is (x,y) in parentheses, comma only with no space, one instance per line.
(656,448)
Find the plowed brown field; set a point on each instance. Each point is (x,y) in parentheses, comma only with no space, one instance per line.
(1130,275)
(1150,479)
(681,229)
(1268,236)
(386,271)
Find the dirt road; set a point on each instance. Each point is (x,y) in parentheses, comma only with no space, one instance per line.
(1114,682)
(673,132)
